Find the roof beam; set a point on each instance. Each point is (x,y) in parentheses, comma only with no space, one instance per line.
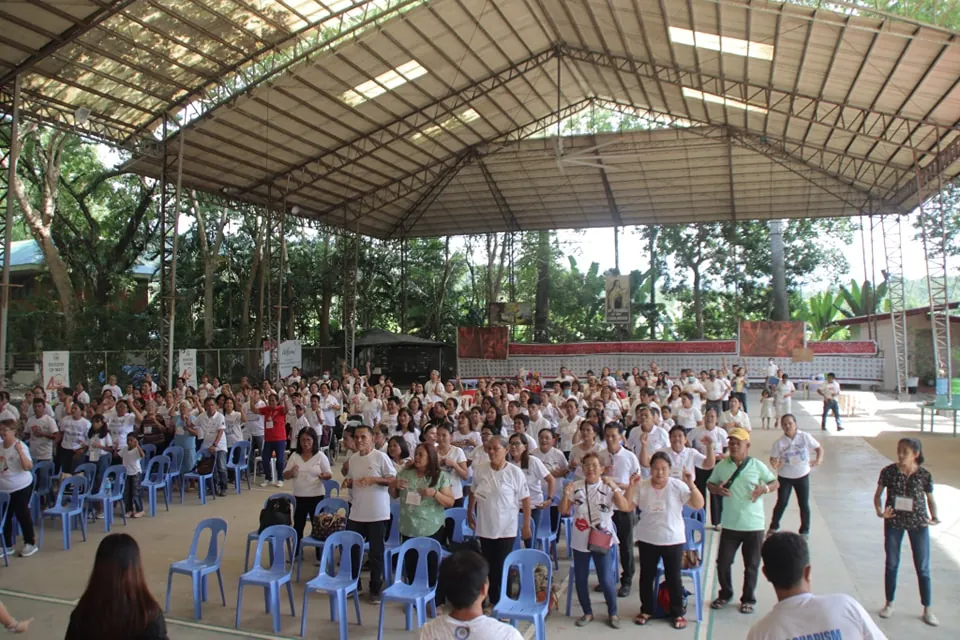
(409,182)
(854,120)
(427,198)
(82,26)
(607,189)
(927,174)
(508,218)
(323,165)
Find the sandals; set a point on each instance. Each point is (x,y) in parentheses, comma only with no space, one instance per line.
(679,623)
(641,619)
(746,607)
(584,620)
(719,603)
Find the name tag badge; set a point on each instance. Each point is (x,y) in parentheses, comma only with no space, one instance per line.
(658,506)
(413,498)
(901,503)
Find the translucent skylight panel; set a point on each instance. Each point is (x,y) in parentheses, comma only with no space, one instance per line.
(723,44)
(384,82)
(727,102)
(450,123)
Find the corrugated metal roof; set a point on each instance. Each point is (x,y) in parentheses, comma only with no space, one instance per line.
(25,255)
(822,115)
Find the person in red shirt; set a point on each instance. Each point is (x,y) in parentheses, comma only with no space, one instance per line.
(274,439)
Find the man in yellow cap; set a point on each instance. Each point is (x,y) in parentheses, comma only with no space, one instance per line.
(742,481)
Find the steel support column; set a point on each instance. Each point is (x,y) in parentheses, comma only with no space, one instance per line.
(172,317)
(13,155)
(350,296)
(281,268)
(893,250)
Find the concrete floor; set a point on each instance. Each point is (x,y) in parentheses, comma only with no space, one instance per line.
(846,544)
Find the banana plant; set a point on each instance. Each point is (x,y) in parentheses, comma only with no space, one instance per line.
(860,300)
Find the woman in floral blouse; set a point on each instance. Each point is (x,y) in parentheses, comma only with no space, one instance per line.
(909,490)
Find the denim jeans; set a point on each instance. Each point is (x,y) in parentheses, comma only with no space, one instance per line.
(269,448)
(256,447)
(828,406)
(220,472)
(606,565)
(920,545)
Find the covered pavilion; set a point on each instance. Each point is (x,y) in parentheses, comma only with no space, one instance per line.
(403,118)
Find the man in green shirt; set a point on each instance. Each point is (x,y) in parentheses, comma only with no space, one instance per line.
(742,481)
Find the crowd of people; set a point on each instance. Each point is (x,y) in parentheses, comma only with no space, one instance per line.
(621,456)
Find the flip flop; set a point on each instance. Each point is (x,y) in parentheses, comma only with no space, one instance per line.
(746,607)
(719,603)
(680,623)
(641,619)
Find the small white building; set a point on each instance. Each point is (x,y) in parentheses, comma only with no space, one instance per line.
(919,343)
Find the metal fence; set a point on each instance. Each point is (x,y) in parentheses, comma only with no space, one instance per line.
(93,368)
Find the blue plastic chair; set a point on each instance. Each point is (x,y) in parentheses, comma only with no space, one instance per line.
(149,450)
(518,541)
(614,568)
(695,514)
(331,489)
(73,488)
(696,541)
(418,593)
(199,568)
(279,538)
(525,606)
(327,505)
(4,512)
(175,453)
(237,459)
(461,530)
(546,537)
(117,476)
(336,581)
(155,479)
(253,536)
(203,479)
(42,486)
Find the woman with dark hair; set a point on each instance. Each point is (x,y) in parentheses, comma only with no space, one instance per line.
(407,428)
(540,482)
(117,605)
(909,489)
(424,492)
(494,419)
(398,451)
(308,467)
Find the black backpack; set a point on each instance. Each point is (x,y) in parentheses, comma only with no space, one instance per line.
(276,511)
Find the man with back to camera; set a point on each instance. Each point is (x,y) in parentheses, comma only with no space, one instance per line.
(464,584)
(798,613)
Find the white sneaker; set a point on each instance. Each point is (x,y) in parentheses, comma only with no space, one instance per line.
(930,619)
(28,550)
(278,483)
(264,484)
(887,610)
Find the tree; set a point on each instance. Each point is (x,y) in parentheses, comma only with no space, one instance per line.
(542,308)
(860,300)
(699,249)
(820,311)
(210,238)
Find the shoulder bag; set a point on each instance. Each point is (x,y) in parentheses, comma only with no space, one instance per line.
(740,467)
(598,540)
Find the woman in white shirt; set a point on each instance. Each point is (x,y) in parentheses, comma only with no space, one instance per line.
(329,405)
(591,503)
(452,460)
(498,495)
(73,444)
(790,458)
(687,416)
(660,534)
(465,438)
(784,396)
(720,444)
(540,482)
(569,429)
(556,463)
(16,479)
(307,468)
(234,421)
(588,444)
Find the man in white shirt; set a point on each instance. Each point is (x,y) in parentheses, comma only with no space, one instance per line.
(716,388)
(537,421)
(368,478)
(213,428)
(464,584)
(798,613)
(695,388)
(621,465)
(254,424)
(80,395)
(43,432)
(773,374)
(647,436)
(830,392)
(113,388)
(8,411)
(735,417)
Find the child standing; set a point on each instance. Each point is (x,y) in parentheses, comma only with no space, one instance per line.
(767,409)
(131,457)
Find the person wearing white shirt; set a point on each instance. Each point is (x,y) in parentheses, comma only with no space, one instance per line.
(465,585)
(536,420)
(588,444)
(80,395)
(784,396)
(590,503)
(465,438)
(433,390)
(43,432)
(830,392)
(329,405)
(454,461)
(122,424)
(798,612)
(569,427)
(371,408)
(716,388)
(74,440)
(540,482)
(112,387)
(521,423)
(369,477)
(735,416)
(661,534)
(234,422)
(254,422)
(683,458)
(307,467)
(645,437)
(687,416)
(499,493)
(7,410)
(213,429)
(17,481)
(695,388)
(790,457)
(621,465)
(773,374)
(556,464)
(720,443)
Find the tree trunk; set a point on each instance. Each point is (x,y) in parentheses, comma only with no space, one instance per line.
(326,293)
(255,260)
(542,313)
(436,315)
(781,307)
(697,301)
(210,254)
(652,317)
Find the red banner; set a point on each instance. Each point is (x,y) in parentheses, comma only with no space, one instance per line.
(483,343)
(844,348)
(707,347)
(770,339)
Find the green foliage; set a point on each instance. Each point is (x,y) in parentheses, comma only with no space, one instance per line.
(820,311)
(860,299)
